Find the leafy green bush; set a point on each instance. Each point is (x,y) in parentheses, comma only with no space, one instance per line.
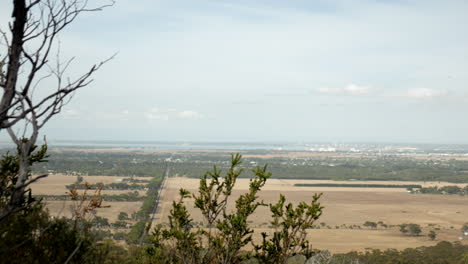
(228,232)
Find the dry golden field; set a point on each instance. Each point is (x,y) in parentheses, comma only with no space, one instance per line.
(343,206)
(350,206)
(63,208)
(54,184)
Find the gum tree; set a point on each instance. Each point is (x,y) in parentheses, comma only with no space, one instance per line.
(35,86)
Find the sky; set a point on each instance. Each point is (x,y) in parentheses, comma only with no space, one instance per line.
(269,70)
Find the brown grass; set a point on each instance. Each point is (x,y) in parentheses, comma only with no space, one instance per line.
(350,206)
(54,184)
(63,208)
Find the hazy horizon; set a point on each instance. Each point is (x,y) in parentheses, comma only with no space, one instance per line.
(242,144)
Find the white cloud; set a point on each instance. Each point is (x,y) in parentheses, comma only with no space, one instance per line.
(423,93)
(355,89)
(167,114)
(192,115)
(351,89)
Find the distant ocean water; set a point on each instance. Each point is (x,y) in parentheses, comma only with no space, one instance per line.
(258,146)
(179,145)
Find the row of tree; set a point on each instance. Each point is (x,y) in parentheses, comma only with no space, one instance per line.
(108,186)
(123,197)
(449,189)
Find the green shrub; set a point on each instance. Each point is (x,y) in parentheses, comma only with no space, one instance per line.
(229,231)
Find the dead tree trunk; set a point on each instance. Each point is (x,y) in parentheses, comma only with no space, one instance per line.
(20,13)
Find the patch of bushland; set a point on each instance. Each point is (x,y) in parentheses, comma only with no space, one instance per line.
(358,185)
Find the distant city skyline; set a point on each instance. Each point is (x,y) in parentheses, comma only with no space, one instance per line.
(267,145)
(263,71)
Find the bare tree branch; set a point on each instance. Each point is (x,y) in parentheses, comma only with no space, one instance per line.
(35,179)
(24,65)
(40,22)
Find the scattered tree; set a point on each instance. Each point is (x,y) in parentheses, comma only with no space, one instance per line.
(403,228)
(411,229)
(79,179)
(370,224)
(123,216)
(120,224)
(414,229)
(464,227)
(100,222)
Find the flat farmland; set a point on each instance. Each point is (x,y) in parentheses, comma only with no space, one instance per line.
(54,184)
(350,207)
(64,208)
